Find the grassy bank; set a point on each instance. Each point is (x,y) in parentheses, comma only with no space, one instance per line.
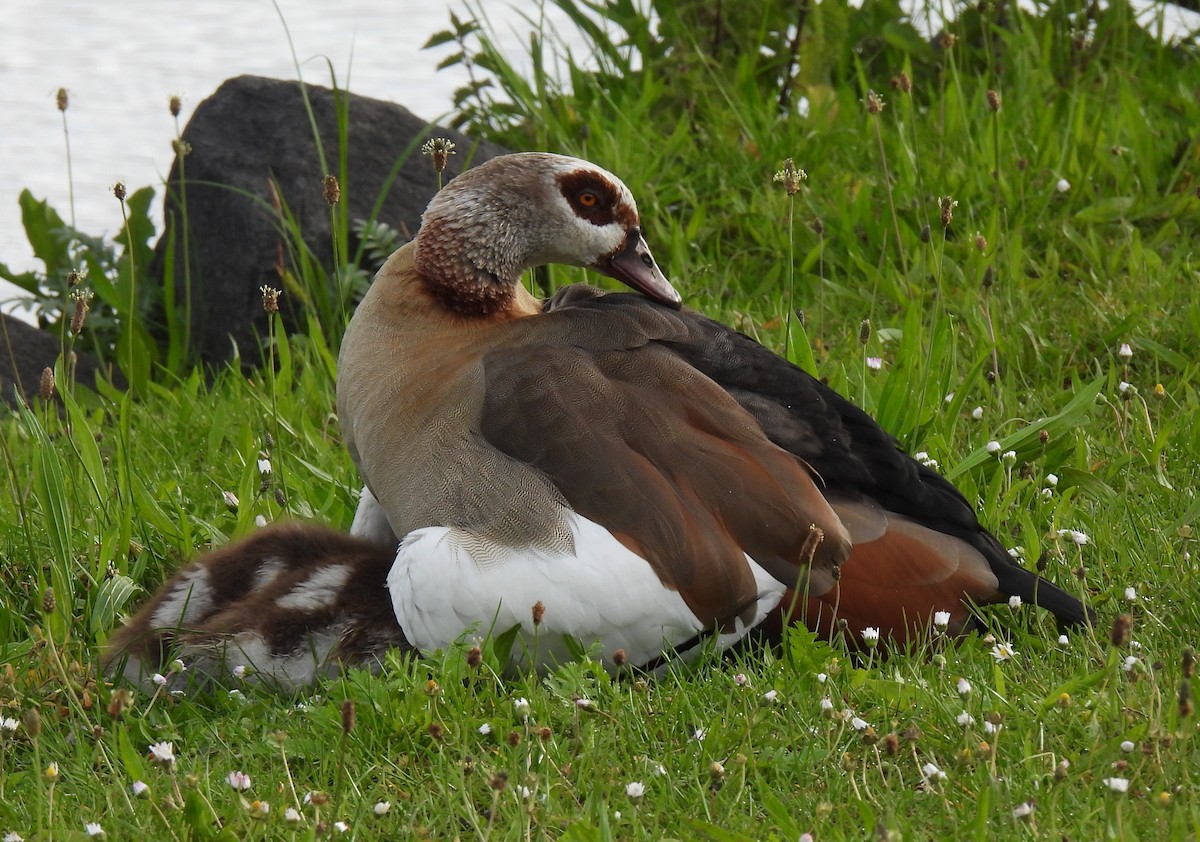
(995,243)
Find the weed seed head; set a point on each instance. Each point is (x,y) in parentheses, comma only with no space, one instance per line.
(1186,707)
(347,716)
(815,534)
(1120,629)
(902,82)
(46,390)
(947,40)
(333,190)
(83,303)
(864,331)
(270,298)
(873,102)
(946,206)
(439,150)
(790,177)
(181,147)
(1189,663)
(538,612)
(61,99)
(118,190)
(175,104)
(993,99)
(474,656)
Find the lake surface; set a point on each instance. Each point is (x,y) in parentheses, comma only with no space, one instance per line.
(122,61)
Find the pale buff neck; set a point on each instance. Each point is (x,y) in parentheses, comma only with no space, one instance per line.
(422,298)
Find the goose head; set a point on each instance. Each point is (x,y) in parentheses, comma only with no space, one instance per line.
(515,212)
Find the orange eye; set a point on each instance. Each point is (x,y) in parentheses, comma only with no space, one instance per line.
(588,199)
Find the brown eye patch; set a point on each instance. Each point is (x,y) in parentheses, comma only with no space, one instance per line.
(593,198)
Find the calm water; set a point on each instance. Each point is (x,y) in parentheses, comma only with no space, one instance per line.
(120,63)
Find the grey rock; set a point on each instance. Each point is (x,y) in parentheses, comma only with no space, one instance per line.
(254,130)
(26,351)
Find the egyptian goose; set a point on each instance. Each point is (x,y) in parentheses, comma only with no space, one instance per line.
(279,608)
(565,459)
(645,475)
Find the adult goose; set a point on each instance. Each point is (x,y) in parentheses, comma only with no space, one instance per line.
(646,475)
(569,459)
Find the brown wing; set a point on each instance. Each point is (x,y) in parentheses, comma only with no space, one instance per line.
(640,442)
(931,549)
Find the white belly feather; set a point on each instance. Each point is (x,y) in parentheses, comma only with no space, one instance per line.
(606,597)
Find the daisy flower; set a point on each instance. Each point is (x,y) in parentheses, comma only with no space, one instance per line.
(238,780)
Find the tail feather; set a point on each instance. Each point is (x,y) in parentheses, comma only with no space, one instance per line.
(1015,580)
(901,573)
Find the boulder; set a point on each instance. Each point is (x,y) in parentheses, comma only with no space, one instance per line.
(254,131)
(27,351)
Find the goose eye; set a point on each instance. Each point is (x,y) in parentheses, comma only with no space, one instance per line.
(588,199)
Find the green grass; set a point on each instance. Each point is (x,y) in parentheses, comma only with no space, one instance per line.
(107,497)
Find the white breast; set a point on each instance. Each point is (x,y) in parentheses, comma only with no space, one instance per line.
(446,583)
